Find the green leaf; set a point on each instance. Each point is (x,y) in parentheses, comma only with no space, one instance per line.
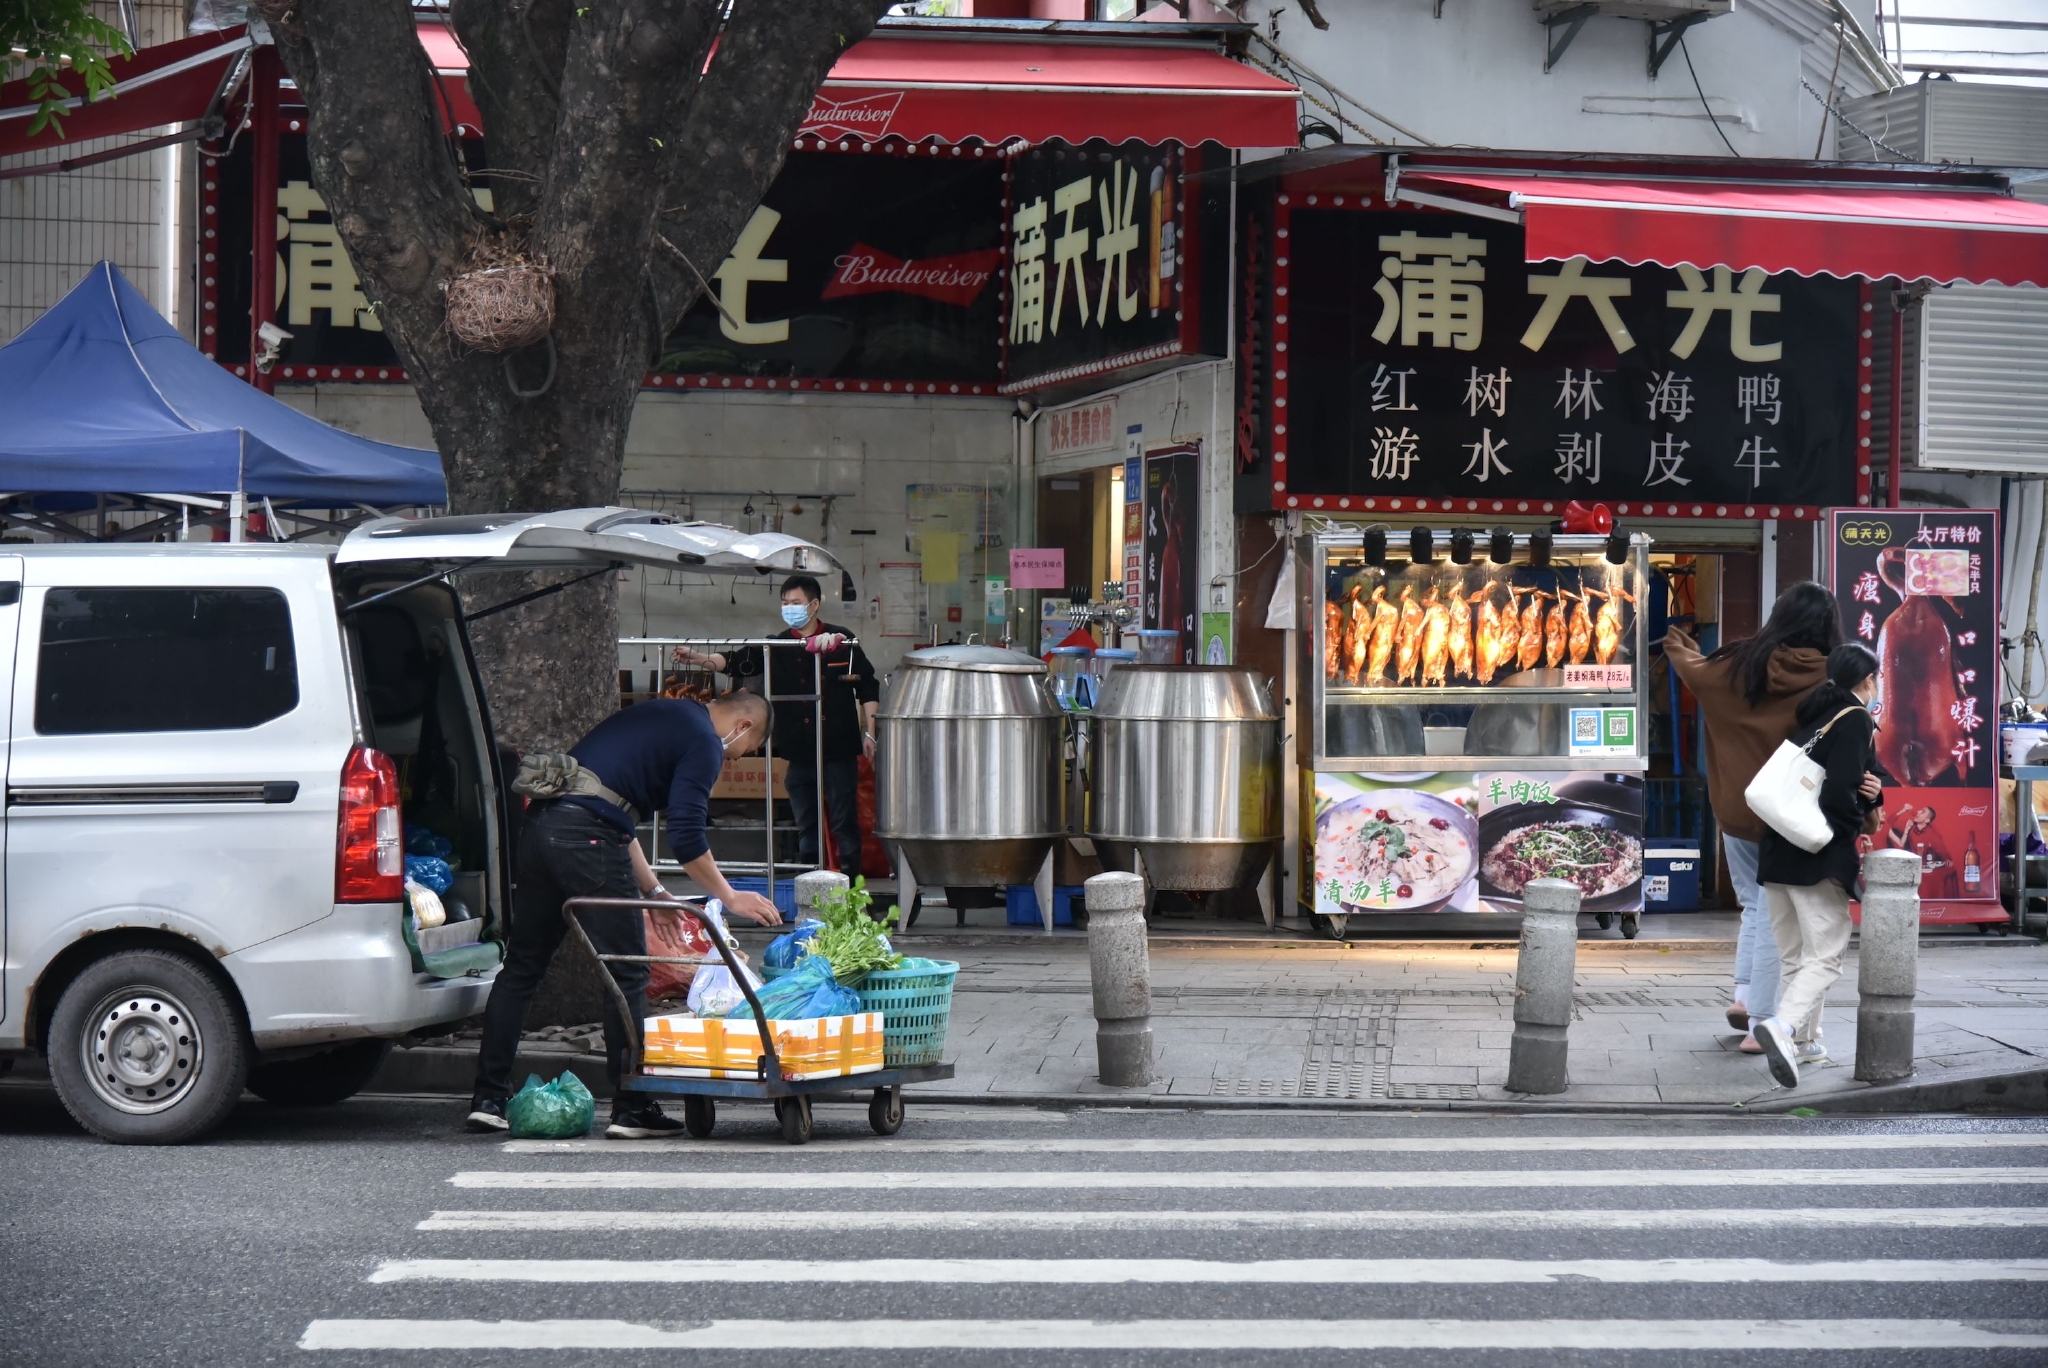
(1803,1113)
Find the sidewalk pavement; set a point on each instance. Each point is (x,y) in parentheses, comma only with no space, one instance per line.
(1427,1023)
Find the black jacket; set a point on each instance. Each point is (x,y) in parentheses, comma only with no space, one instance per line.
(849,681)
(1847,752)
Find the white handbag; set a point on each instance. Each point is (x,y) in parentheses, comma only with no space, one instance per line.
(1786,792)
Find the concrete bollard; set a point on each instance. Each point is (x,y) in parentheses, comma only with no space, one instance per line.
(1887,966)
(1545,967)
(1120,964)
(819,883)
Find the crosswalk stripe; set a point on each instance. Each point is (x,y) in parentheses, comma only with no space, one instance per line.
(1495,1144)
(852,1222)
(1327,1179)
(1186,1335)
(1286,1272)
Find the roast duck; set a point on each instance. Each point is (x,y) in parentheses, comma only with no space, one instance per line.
(1920,734)
(1439,637)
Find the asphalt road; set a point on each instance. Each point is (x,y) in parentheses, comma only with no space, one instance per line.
(375,1233)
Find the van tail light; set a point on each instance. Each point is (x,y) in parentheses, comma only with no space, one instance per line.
(369,857)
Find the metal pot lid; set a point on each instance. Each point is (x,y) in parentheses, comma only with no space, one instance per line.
(979,659)
(1185,693)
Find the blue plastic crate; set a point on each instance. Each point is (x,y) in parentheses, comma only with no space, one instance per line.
(785,893)
(1671,877)
(1021,902)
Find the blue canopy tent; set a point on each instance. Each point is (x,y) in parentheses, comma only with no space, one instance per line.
(101,396)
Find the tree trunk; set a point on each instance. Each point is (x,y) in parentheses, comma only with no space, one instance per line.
(613,152)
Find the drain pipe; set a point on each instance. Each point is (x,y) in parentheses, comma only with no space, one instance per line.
(1898,398)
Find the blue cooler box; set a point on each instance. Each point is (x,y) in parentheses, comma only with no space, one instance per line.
(1671,878)
(1020,901)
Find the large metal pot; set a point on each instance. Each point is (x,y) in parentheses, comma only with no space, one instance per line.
(967,765)
(1185,763)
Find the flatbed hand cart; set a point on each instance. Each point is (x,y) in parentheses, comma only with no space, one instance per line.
(791,1097)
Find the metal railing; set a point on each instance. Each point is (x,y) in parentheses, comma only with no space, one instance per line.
(768,866)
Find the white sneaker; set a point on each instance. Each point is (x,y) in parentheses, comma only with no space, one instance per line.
(1779,1050)
(1812,1054)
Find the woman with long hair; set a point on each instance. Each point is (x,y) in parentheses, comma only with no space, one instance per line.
(1748,691)
(1808,892)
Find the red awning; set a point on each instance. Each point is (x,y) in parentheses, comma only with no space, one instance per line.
(1967,236)
(167,84)
(957,89)
(961,89)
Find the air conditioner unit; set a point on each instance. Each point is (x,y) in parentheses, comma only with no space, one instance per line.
(1659,10)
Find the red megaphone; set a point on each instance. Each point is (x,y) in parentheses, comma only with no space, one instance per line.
(1598,519)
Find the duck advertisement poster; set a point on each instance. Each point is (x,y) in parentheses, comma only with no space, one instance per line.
(1920,588)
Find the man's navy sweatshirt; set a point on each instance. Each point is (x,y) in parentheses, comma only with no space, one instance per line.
(663,753)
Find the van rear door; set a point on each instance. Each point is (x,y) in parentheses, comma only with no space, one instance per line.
(593,537)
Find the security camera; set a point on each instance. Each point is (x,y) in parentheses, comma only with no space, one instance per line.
(273,339)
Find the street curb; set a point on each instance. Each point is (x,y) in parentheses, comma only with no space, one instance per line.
(438,1069)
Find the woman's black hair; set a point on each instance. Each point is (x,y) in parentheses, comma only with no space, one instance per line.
(1804,615)
(1849,664)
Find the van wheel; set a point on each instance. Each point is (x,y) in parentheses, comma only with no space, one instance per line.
(321,1079)
(145,1049)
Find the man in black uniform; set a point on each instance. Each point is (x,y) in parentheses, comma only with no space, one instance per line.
(851,697)
(665,753)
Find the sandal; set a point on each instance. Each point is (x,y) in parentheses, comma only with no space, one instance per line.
(1738,1016)
(1749,1046)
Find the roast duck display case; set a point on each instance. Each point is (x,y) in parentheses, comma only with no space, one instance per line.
(1478,721)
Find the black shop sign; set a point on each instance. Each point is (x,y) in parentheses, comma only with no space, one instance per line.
(1106,267)
(1427,358)
(873,266)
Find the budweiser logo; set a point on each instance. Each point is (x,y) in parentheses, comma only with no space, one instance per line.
(868,116)
(955,279)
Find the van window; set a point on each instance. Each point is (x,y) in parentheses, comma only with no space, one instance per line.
(155,660)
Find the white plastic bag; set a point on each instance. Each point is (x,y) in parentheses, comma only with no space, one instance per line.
(426,906)
(713,992)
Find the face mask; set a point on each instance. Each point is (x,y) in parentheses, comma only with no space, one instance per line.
(796,614)
(726,740)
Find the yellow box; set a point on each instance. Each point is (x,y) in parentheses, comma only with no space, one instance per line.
(821,1047)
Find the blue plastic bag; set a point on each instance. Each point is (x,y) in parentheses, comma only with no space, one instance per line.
(421,840)
(807,991)
(786,949)
(429,871)
(561,1110)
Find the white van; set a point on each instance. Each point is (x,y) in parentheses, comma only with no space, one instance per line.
(215,756)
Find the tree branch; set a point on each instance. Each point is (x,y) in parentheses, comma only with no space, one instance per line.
(516,52)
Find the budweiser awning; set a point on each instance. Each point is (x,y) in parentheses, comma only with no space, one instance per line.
(1812,227)
(170,83)
(956,90)
(961,89)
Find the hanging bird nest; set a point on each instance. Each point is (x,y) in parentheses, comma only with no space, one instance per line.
(505,300)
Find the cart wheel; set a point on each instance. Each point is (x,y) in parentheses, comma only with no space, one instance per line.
(1604,920)
(885,1111)
(795,1115)
(1629,927)
(700,1114)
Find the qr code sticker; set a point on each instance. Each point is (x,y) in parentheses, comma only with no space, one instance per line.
(1586,728)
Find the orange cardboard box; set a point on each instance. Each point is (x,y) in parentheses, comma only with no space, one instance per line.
(821,1047)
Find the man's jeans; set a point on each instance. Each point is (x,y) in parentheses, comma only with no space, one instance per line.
(565,851)
(842,800)
(1757,963)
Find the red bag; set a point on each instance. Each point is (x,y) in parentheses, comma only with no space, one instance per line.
(874,860)
(671,933)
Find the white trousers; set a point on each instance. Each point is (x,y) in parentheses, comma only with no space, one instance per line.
(1812,927)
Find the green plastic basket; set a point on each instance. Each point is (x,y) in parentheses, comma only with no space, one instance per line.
(915,1005)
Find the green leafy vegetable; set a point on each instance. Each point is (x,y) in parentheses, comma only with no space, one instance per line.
(854,943)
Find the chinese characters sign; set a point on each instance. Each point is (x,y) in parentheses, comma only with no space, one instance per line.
(1429,359)
(1920,589)
(876,266)
(1101,262)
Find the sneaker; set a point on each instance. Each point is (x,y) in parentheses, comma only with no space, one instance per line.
(1779,1050)
(1812,1054)
(644,1122)
(488,1114)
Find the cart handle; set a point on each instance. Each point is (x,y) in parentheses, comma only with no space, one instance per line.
(604,962)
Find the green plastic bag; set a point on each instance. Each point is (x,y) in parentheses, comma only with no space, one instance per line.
(561,1110)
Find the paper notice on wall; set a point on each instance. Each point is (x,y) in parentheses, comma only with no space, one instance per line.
(941,556)
(1038,567)
(903,600)
(967,511)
